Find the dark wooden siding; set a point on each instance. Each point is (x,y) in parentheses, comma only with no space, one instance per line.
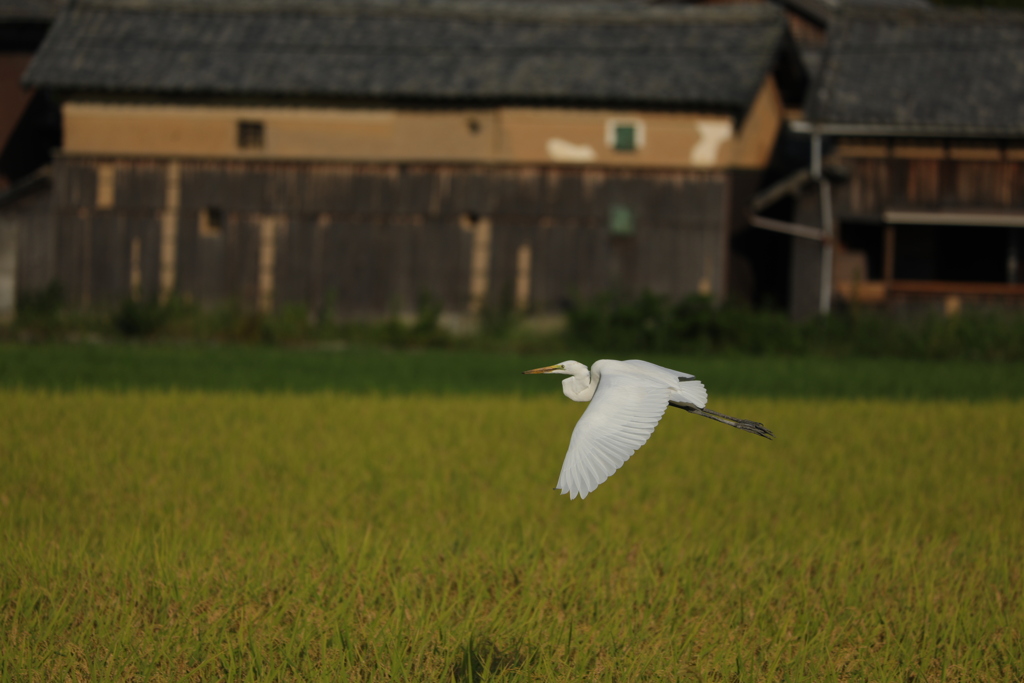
(369,239)
(933,184)
(36,239)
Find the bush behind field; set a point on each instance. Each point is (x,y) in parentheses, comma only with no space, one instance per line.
(654,324)
(43,316)
(644,324)
(374,370)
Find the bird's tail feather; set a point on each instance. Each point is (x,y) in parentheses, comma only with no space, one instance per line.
(745,425)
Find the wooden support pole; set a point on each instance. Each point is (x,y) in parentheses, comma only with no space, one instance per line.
(106,186)
(8,269)
(790,185)
(169,230)
(827,246)
(85,215)
(889,255)
(479,260)
(786,228)
(267,261)
(1012,257)
(524,266)
(135,268)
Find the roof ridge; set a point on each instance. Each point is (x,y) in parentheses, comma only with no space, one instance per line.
(712,58)
(929,15)
(601,11)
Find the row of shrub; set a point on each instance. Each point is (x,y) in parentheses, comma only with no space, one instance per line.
(653,323)
(43,316)
(609,324)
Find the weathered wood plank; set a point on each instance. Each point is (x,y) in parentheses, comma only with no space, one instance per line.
(369,239)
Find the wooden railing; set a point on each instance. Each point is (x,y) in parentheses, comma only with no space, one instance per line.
(877,291)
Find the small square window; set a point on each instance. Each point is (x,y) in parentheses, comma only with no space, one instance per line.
(625,134)
(620,220)
(625,137)
(250,135)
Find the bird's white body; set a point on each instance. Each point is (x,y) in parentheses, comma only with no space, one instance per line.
(627,400)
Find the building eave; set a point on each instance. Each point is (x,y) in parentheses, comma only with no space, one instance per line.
(895,131)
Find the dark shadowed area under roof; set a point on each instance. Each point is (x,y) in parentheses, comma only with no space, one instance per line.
(427,51)
(940,72)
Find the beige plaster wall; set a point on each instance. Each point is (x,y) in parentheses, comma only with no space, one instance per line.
(500,135)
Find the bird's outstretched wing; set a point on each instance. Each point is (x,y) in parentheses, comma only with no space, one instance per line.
(620,418)
(685,387)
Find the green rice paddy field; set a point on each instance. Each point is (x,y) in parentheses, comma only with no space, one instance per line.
(191,514)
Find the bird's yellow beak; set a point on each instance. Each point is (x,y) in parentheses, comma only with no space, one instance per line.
(541,371)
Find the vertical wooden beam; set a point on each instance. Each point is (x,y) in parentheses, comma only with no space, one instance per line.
(704,283)
(827,246)
(816,156)
(135,268)
(267,259)
(317,262)
(524,276)
(106,185)
(1012,256)
(169,230)
(8,268)
(86,217)
(827,225)
(720,284)
(889,255)
(479,260)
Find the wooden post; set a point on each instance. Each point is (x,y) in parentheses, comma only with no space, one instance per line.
(1012,257)
(106,186)
(169,230)
(86,217)
(816,156)
(479,260)
(827,226)
(524,264)
(317,264)
(135,268)
(8,269)
(827,247)
(889,255)
(267,261)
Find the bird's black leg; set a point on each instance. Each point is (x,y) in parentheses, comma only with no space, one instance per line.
(738,423)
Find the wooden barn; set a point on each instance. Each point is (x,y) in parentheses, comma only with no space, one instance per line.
(356,156)
(914,196)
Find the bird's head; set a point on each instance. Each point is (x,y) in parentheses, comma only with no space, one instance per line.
(568,367)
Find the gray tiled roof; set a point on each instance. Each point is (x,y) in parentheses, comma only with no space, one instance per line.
(29,10)
(933,72)
(825,11)
(555,52)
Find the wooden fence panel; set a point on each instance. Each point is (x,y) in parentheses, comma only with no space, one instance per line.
(145,227)
(36,241)
(109,258)
(876,185)
(73,249)
(295,262)
(372,239)
(139,186)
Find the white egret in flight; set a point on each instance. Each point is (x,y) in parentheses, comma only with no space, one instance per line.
(627,400)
